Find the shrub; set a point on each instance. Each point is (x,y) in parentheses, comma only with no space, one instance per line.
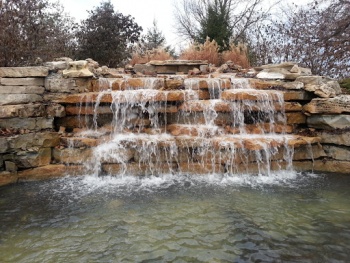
(155,54)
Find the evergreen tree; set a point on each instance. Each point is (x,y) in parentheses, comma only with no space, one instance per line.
(106,35)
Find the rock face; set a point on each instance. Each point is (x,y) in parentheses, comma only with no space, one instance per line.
(329,122)
(321,86)
(78,69)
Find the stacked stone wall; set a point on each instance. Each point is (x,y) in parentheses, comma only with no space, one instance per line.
(39,108)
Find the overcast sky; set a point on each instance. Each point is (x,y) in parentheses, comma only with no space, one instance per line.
(144,12)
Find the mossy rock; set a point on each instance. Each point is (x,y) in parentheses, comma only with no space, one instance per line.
(345,83)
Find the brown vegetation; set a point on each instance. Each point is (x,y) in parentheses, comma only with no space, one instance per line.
(155,54)
(210,51)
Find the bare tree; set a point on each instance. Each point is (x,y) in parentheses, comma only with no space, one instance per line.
(191,15)
(316,35)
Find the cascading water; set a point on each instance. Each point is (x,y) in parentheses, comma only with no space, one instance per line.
(206,126)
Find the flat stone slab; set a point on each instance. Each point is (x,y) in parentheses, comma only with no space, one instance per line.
(337,105)
(329,122)
(23,72)
(133,96)
(27,123)
(251,94)
(22,81)
(22,90)
(14,99)
(22,111)
(339,137)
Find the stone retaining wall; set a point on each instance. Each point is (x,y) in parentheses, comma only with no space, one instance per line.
(34,109)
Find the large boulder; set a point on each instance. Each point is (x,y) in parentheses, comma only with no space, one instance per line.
(78,69)
(336,105)
(287,70)
(321,86)
(329,122)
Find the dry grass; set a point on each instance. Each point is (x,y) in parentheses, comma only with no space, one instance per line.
(210,51)
(155,54)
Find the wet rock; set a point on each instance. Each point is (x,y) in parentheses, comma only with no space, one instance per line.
(341,153)
(49,171)
(72,155)
(55,110)
(33,159)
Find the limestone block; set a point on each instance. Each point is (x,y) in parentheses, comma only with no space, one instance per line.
(331,137)
(33,159)
(295,85)
(29,141)
(297,95)
(3,145)
(21,90)
(79,142)
(48,171)
(56,83)
(136,169)
(7,178)
(22,111)
(145,69)
(200,168)
(336,105)
(55,110)
(174,83)
(11,166)
(14,99)
(341,153)
(281,71)
(22,81)
(321,86)
(27,123)
(332,166)
(78,69)
(329,122)
(307,152)
(72,155)
(23,72)
(56,65)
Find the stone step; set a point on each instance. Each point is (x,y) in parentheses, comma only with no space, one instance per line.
(226,106)
(130,97)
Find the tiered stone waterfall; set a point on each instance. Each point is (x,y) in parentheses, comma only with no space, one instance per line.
(73,118)
(152,126)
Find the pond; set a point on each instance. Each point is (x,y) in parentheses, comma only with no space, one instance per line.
(284,217)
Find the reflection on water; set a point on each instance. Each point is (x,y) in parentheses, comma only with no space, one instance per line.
(284,218)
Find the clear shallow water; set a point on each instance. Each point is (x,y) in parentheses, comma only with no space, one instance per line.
(283,218)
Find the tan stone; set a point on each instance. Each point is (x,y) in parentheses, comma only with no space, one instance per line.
(265,84)
(56,83)
(3,144)
(23,72)
(296,118)
(209,83)
(203,105)
(297,95)
(337,105)
(87,110)
(255,95)
(33,140)
(193,130)
(22,111)
(322,87)
(338,153)
(15,99)
(55,110)
(333,166)
(329,122)
(22,81)
(78,69)
(36,124)
(200,168)
(331,137)
(292,106)
(72,155)
(307,152)
(174,83)
(34,159)
(21,90)
(48,172)
(79,142)
(262,128)
(137,169)
(7,178)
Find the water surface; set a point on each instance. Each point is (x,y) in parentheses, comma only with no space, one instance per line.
(286,217)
